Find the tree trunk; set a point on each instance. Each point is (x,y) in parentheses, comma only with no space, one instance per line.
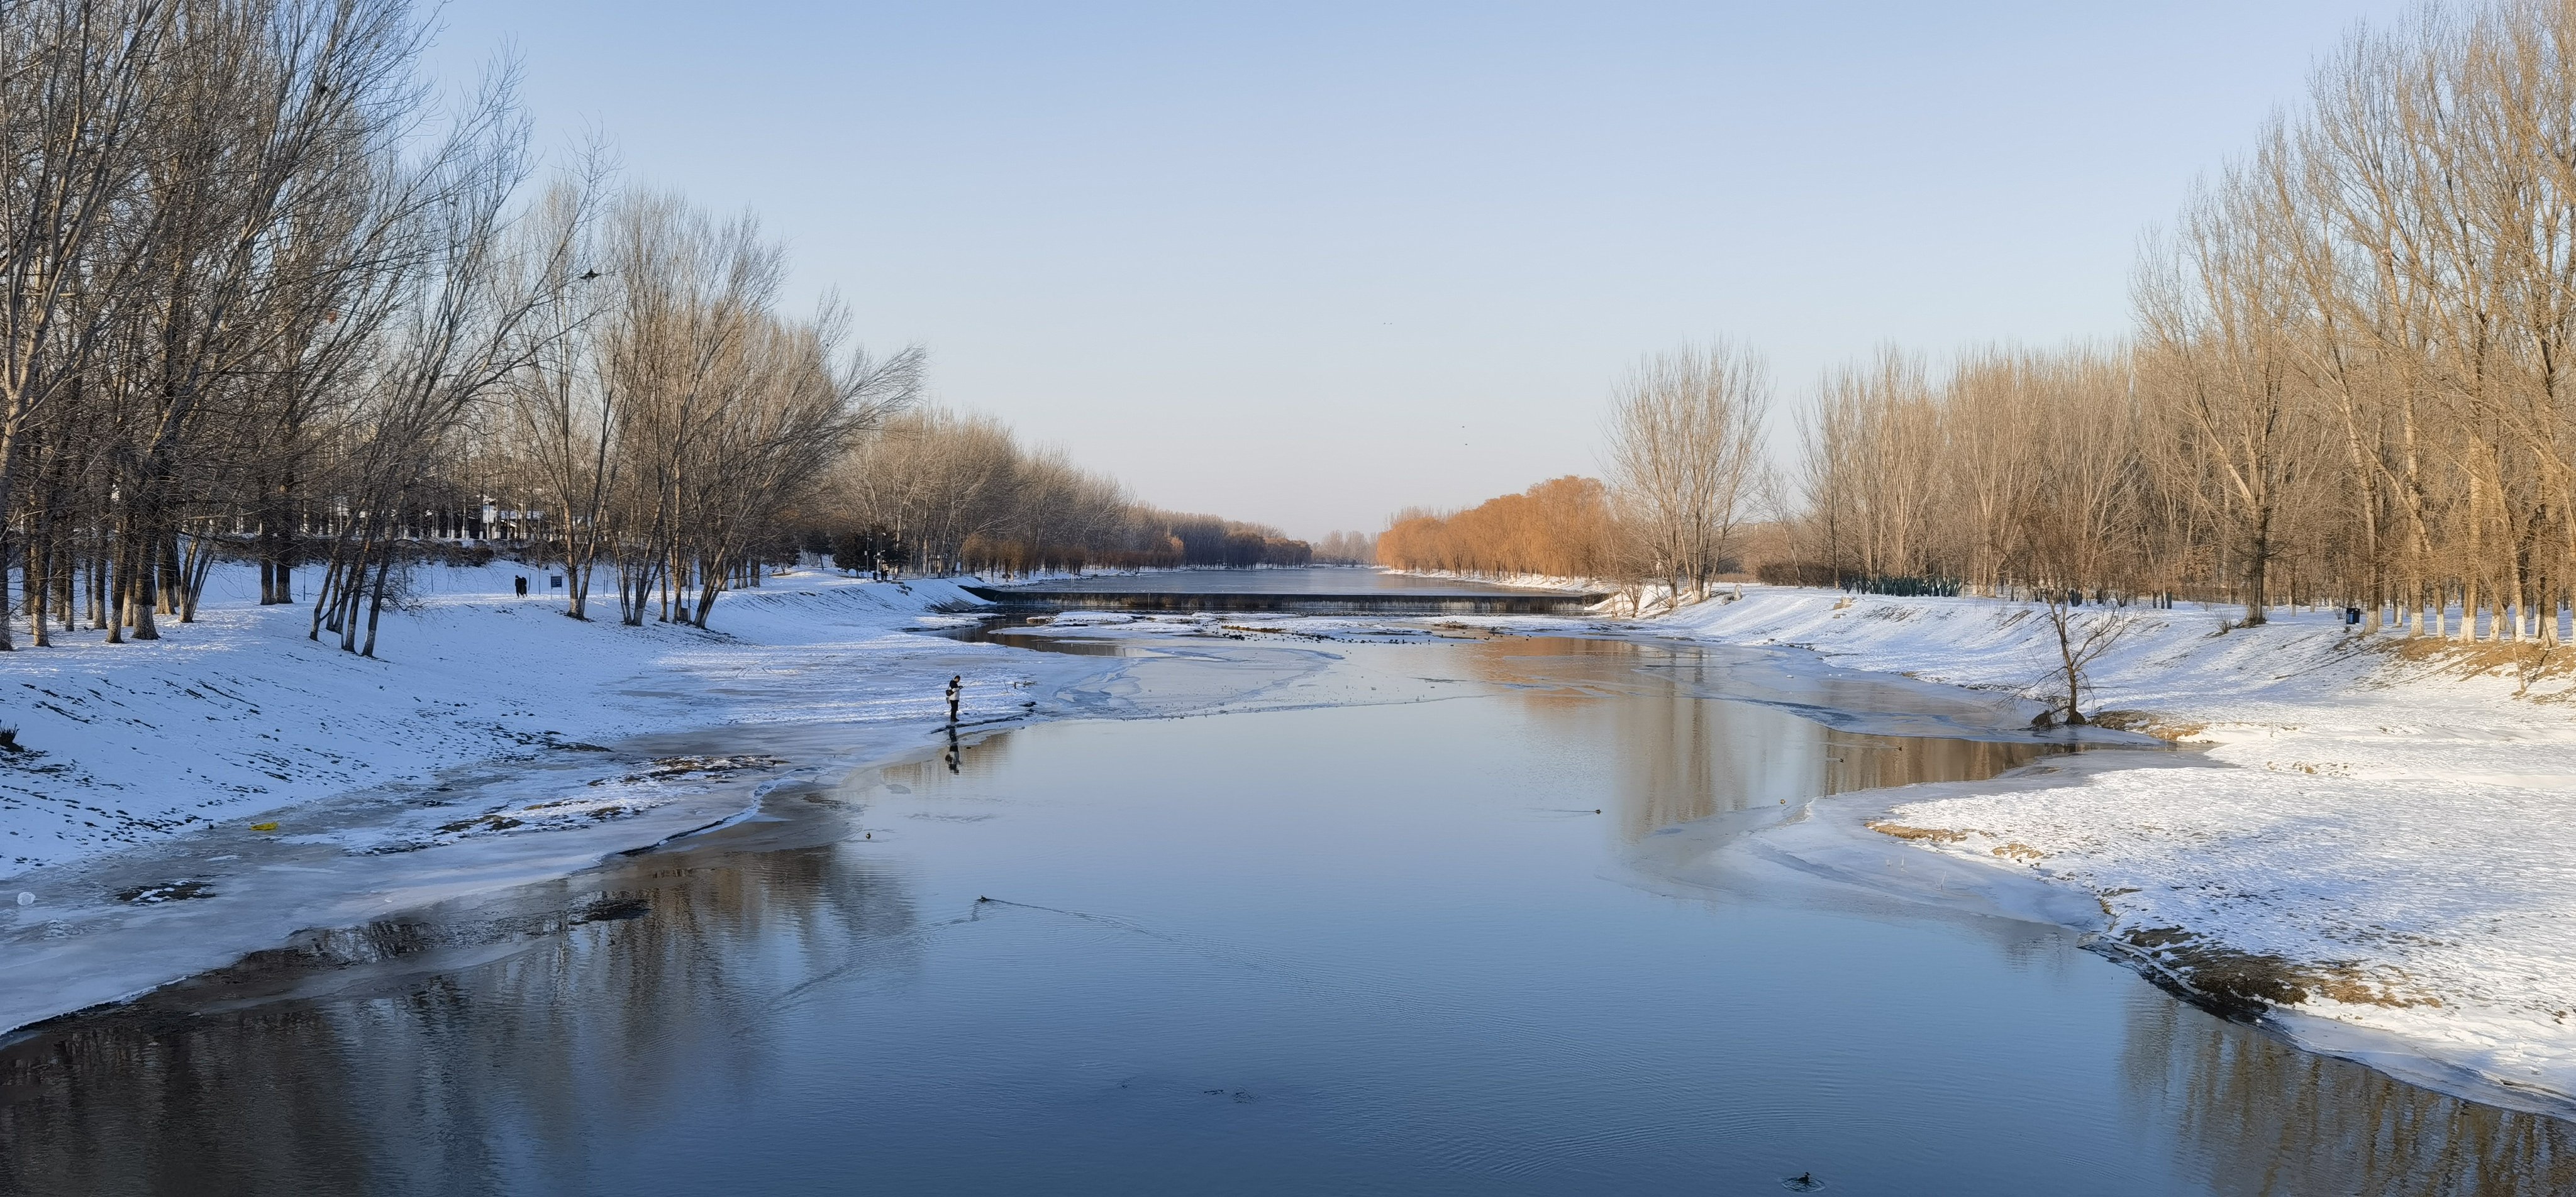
(5,644)
(166,584)
(8,478)
(2258,578)
(119,609)
(193,571)
(98,571)
(67,559)
(142,593)
(376,603)
(39,577)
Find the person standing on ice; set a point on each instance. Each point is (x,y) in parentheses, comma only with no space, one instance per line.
(956,687)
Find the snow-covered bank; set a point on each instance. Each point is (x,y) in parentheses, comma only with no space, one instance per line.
(2381,850)
(234,787)
(238,713)
(2390,865)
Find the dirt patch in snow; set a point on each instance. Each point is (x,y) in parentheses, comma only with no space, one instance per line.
(2149,723)
(2527,662)
(1936,835)
(683,766)
(2241,984)
(171,891)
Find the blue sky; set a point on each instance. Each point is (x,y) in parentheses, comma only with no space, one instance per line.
(1307,264)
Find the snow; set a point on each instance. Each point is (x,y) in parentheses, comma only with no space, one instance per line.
(2370,839)
(2384,854)
(184,801)
(235,786)
(238,713)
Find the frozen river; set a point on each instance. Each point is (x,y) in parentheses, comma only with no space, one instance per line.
(1484,916)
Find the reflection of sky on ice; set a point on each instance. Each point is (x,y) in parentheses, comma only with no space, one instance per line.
(1364,935)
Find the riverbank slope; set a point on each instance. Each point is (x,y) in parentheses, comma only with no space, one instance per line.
(238,714)
(2393,853)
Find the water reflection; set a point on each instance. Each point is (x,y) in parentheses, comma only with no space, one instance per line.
(2263,1119)
(1340,949)
(1000,630)
(416,1070)
(1686,754)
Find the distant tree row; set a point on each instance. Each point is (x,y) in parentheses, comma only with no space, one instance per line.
(1561,528)
(1685,454)
(934,491)
(1346,548)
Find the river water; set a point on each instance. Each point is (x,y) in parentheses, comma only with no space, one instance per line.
(1397,920)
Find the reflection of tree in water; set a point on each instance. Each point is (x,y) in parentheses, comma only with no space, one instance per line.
(157,1103)
(2262,1118)
(1683,755)
(477,1080)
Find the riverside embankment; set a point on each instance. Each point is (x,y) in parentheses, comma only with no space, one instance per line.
(2385,860)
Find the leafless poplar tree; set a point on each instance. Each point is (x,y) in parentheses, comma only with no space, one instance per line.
(1685,437)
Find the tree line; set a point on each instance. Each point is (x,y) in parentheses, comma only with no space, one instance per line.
(1560,528)
(1346,548)
(935,491)
(265,297)
(2349,383)
(1686,473)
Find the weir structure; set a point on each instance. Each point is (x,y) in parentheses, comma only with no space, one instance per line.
(1374,602)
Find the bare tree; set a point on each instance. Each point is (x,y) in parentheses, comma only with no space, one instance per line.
(1685,435)
(566,423)
(79,92)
